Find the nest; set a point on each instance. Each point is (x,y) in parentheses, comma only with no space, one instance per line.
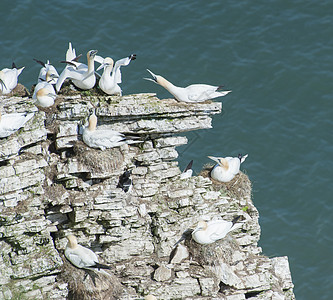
(239,187)
(88,284)
(99,161)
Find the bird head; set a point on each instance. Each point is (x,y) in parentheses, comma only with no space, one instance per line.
(72,241)
(156,78)
(108,62)
(221,161)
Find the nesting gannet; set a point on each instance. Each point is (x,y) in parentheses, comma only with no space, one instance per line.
(82,76)
(187,173)
(47,67)
(44,92)
(227,167)
(103,138)
(8,79)
(10,123)
(192,93)
(82,257)
(209,232)
(111,76)
(125,181)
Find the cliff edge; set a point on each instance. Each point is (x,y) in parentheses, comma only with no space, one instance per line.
(52,184)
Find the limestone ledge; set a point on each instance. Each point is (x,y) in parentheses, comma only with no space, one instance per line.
(51,184)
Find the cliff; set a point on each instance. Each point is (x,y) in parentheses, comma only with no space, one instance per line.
(52,184)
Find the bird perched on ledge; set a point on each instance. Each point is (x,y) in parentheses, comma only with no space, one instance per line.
(10,123)
(109,82)
(82,257)
(209,232)
(193,93)
(8,79)
(47,68)
(82,76)
(227,167)
(103,138)
(44,91)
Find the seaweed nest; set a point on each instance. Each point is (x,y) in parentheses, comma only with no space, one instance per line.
(88,284)
(239,187)
(98,161)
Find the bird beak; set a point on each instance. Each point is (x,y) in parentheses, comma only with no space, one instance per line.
(153,75)
(100,67)
(93,53)
(214,158)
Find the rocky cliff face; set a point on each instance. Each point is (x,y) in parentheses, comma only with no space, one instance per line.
(52,184)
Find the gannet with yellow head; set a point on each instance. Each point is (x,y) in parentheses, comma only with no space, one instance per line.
(44,92)
(111,76)
(193,93)
(82,257)
(227,167)
(82,76)
(209,232)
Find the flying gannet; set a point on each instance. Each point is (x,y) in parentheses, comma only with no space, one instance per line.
(209,232)
(82,76)
(10,123)
(193,93)
(103,138)
(44,92)
(8,79)
(111,76)
(227,167)
(47,67)
(187,173)
(82,257)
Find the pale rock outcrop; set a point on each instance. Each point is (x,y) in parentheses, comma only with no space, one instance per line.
(52,184)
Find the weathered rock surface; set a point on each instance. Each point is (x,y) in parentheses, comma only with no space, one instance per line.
(51,184)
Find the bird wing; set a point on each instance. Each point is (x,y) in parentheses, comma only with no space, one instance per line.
(70,54)
(11,122)
(72,73)
(218,229)
(121,62)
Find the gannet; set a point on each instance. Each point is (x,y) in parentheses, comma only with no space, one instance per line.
(82,257)
(103,138)
(8,79)
(209,232)
(44,91)
(109,82)
(125,181)
(10,123)
(227,167)
(82,76)
(47,67)
(193,93)
(187,173)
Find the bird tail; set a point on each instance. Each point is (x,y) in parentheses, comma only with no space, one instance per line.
(100,266)
(235,220)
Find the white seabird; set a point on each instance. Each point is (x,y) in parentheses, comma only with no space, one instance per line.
(47,67)
(103,138)
(187,173)
(10,123)
(8,79)
(82,257)
(227,167)
(209,232)
(193,93)
(111,76)
(82,76)
(44,91)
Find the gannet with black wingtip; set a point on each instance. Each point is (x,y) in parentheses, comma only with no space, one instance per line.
(82,76)
(44,92)
(10,123)
(8,79)
(47,67)
(103,138)
(194,93)
(227,167)
(187,173)
(82,257)
(111,76)
(209,232)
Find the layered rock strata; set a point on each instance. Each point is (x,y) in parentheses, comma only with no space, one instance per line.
(52,184)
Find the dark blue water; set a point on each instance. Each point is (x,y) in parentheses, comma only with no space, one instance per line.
(275,56)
